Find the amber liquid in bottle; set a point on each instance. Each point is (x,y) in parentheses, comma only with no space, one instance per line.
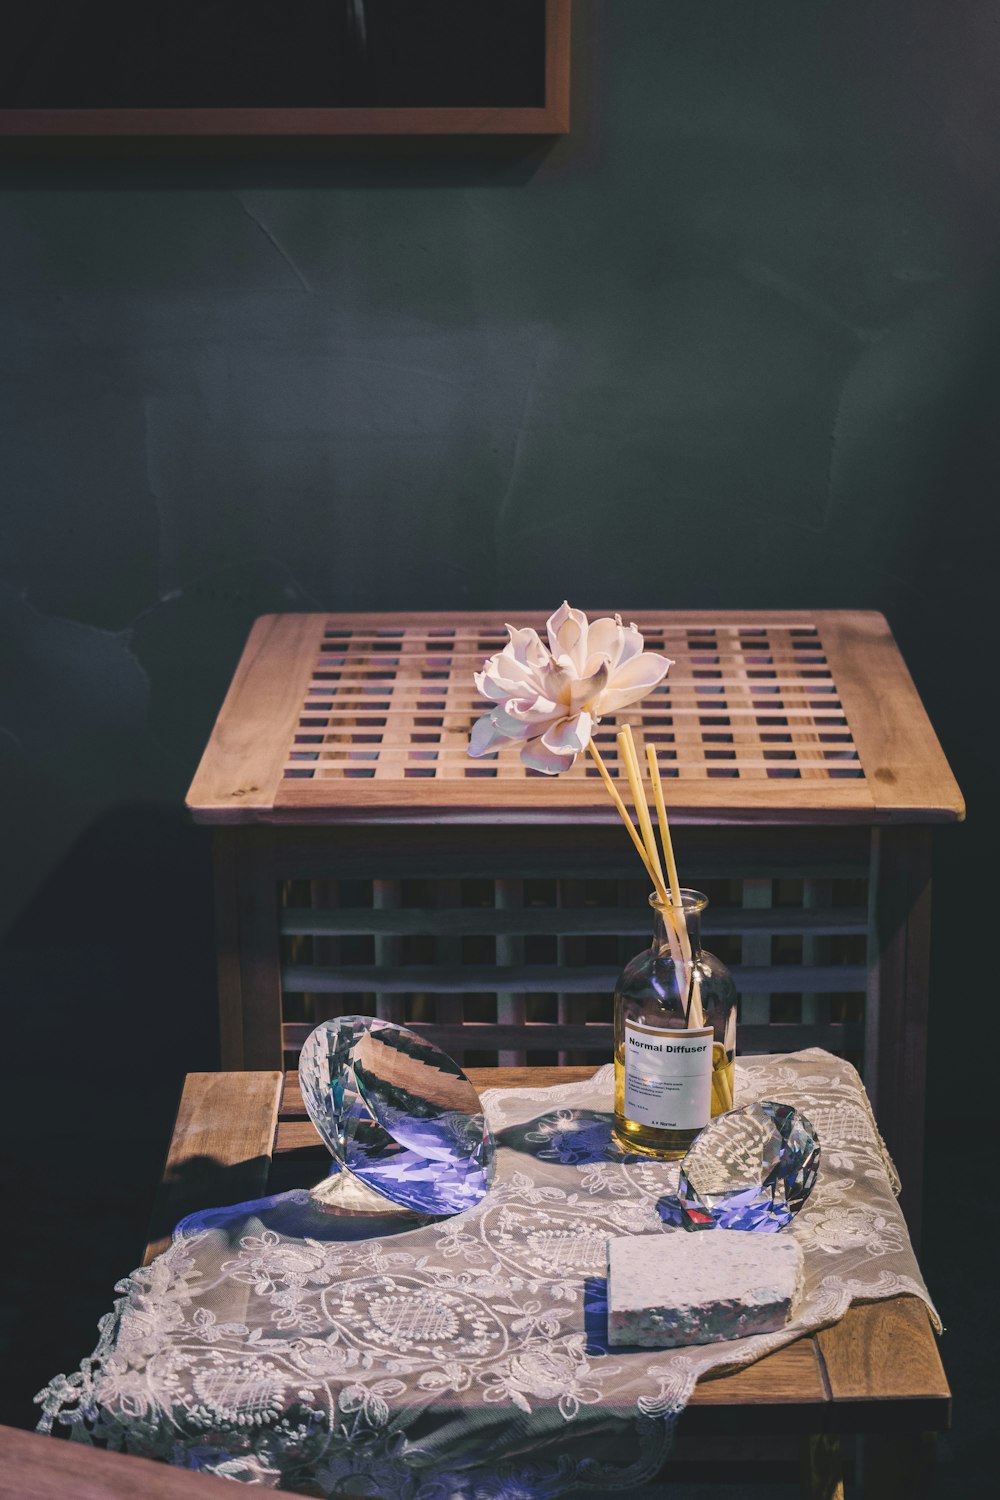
(651,1011)
(634,1135)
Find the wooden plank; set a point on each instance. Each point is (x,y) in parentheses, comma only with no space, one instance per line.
(469,624)
(267,123)
(241,769)
(789,1375)
(456,717)
(681,686)
(434,848)
(817,911)
(755,1005)
(414,761)
(584,921)
(33,1467)
(876,1370)
(511,1004)
(557,67)
(822,1468)
(549,978)
(596,1036)
(297,1135)
(260,952)
(540,1076)
(292,1106)
(744,730)
(371,706)
(569,800)
(904,765)
(403,692)
(570,953)
(220,1151)
(886,1351)
(226,851)
(896,1058)
(674,708)
(385,900)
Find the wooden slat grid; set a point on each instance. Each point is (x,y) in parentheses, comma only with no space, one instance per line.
(523,969)
(396,702)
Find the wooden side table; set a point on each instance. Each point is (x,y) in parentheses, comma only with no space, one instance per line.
(875,1375)
(366,865)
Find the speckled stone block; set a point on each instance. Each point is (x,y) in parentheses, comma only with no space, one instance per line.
(678,1288)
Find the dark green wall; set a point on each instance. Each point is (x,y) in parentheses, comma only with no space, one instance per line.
(731,343)
(734,342)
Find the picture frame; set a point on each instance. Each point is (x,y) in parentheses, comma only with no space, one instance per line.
(67,101)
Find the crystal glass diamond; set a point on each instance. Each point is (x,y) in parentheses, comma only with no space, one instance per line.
(752,1168)
(398,1114)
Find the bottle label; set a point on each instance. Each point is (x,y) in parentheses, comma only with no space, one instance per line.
(668,1077)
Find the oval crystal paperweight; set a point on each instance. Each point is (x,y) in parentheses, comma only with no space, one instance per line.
(752,1168)
(398,1114)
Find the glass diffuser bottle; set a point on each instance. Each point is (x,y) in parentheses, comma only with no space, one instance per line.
(671,1076)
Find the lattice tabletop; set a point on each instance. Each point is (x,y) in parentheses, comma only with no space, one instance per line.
(776,717)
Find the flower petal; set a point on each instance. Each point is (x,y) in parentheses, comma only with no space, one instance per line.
(539,758)
(615,642)
(571,733)
(502,675)
(632,641)
(633,681)
(605,639)
(484,737)
(536,712)
(491,730)
(586,691)
(525,645)
(567,631)
(515,727)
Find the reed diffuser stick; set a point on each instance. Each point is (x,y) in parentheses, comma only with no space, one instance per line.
(626,750)
(696,1013)
(656,878)
(661,816)
(630,760)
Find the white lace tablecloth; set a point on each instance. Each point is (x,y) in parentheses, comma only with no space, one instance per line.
(465,1359)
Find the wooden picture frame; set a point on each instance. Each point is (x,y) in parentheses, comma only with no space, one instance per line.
(550,116)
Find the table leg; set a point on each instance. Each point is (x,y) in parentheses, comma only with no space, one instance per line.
(225,854)
(246,905)
(822,1471)
(896,1039)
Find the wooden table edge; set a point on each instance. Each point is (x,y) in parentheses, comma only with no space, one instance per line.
(385,812)
(36,1467)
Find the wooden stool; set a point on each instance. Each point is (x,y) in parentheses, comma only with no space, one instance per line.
(366,865)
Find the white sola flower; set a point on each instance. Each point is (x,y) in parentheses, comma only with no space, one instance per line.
(550,698)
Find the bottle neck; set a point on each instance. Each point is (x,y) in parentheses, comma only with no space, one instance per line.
(661,935)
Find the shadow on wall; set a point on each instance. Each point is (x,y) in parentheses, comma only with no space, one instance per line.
(115,950)
(109,998)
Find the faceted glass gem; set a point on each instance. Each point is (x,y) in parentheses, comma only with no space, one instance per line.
(752,1168)
(398,1113)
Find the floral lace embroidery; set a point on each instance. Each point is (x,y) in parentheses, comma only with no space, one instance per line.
(261,1347)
